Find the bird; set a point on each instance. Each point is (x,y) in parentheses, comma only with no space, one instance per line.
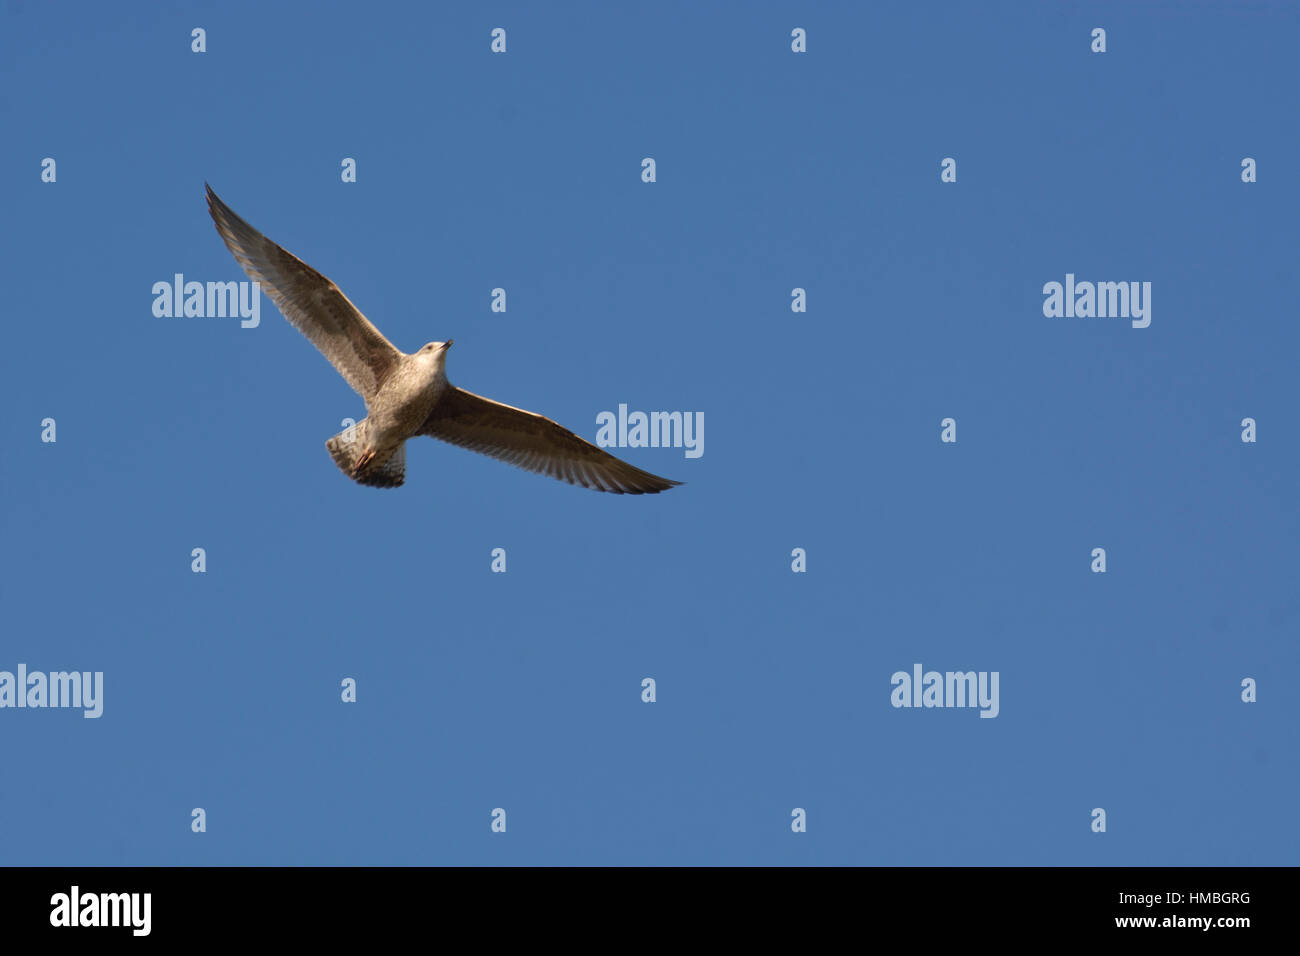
(409,395)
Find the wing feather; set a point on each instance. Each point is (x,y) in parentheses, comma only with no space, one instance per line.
(312,303)
(535,443)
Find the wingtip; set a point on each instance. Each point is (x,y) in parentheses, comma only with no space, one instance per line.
(667,484)
(214,201)
(222,215)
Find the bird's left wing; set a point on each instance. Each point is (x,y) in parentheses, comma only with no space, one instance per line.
(314,304)
(534,442)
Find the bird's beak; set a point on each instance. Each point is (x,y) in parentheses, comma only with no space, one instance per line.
(447,344)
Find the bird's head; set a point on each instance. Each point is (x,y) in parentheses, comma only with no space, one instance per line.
(435,353)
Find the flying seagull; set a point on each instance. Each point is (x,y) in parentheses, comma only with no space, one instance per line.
(409,395)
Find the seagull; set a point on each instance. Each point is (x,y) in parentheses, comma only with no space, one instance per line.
(409,395)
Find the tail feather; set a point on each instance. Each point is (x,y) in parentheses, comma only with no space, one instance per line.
(382,471)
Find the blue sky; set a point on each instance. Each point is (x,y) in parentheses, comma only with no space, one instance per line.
(775,171)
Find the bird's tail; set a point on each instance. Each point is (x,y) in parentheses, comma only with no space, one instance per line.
(383,470)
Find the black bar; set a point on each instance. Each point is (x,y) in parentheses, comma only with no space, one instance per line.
(369,904)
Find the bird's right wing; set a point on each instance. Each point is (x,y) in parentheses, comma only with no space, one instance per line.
(311,302)
(535,443)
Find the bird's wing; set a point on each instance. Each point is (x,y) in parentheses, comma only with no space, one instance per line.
(534,442)
(311,302)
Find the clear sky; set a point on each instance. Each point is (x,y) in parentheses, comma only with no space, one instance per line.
(775,170)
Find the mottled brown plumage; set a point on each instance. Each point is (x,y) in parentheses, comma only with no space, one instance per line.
(409,395)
